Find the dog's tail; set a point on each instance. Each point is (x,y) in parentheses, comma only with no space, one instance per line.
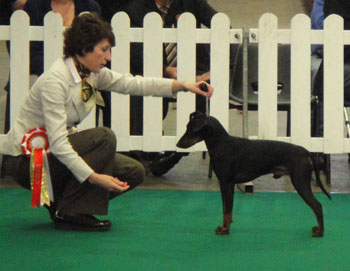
(317,175)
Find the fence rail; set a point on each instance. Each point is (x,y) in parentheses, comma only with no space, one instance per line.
(220,36)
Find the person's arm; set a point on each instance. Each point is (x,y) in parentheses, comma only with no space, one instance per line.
(317,15)
(203,77)
(19,4)
(170,72)
(145,86)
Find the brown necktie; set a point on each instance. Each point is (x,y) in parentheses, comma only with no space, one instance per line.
(170,48)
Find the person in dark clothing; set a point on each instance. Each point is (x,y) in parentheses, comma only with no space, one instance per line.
(137,9)
(317,19)
(108,9)
(170,12)
(7,7)
(341,8)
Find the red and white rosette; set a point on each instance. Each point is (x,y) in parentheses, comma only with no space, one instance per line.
(35,144)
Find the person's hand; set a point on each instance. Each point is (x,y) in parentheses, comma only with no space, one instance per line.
(108,182)
(203,77)
(197,88)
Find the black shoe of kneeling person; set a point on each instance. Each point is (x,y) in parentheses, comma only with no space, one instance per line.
(164,162)
(80,223)
(51,209)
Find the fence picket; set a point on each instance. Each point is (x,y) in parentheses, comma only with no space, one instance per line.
(267,114)
(300,89)
(219,70)
(120,62)
(186,61)
(19,62)
(53,38)
(333,84)
(153,67)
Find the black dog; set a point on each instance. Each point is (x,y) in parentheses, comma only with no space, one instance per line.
(237,160)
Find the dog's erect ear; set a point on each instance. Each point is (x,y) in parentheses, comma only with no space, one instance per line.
(198,120)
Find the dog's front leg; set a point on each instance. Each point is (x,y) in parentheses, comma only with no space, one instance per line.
(227,194)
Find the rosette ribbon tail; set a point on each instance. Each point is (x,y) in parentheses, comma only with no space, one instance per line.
(40,179)
(48,177)
(36,169)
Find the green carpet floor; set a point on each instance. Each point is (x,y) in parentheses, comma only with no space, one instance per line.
(174,230)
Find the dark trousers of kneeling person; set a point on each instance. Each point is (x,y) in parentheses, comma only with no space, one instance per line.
(160,163)
(76,202)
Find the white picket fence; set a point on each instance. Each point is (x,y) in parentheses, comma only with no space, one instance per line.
(220,36)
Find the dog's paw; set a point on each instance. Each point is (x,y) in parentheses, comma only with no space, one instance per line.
(317,232)
(222,230)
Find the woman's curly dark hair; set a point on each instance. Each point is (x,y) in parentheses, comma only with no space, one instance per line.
(86,31)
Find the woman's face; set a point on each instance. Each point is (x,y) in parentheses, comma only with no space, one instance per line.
(97,59)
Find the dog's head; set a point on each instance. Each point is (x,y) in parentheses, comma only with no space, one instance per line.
(194,132)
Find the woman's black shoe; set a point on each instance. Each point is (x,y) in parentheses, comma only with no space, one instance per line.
(51,209)
(80,223)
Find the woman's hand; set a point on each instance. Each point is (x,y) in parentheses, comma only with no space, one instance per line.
(108,182)
(196,88)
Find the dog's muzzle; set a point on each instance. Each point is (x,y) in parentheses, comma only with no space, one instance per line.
(186,141)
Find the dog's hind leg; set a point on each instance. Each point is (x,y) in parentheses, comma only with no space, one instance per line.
(302,183)
(227,194)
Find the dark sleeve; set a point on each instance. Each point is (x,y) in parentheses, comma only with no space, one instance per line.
(199,8)
(36,12)
(89,5)
(136,12)
(109,8)
(5,11)
(341,8)
(204,12)
(95,7)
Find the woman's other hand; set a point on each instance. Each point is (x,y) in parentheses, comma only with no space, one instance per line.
(108,182)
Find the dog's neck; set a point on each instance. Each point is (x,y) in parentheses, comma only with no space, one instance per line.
(215,134)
